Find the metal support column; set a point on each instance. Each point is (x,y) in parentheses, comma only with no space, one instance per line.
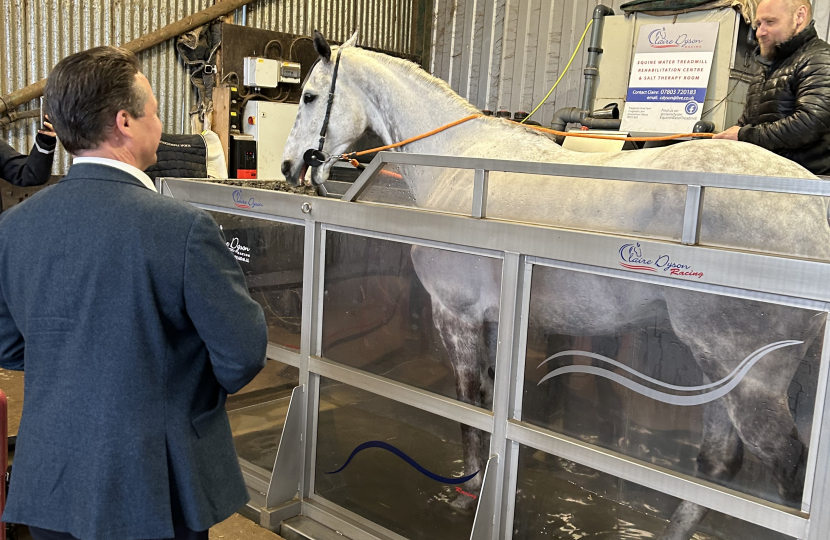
(312,315)
(691,215)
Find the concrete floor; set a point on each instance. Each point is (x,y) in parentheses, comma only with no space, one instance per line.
(235,527)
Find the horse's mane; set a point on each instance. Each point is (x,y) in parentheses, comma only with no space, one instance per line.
(418,73)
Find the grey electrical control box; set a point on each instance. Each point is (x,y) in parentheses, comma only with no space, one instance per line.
(267,73)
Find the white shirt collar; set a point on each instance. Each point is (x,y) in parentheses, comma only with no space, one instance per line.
(126,167)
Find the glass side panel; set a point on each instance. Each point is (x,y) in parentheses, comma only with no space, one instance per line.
(363,442)
(271,256)
(379,317)
(705,385)
(779,223)
(257,413)
(560,499)
(433,188)
(644,210)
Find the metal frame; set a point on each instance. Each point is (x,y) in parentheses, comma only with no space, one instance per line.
(521,247)
(284,484)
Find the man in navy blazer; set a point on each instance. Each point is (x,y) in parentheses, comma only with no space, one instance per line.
(132,321)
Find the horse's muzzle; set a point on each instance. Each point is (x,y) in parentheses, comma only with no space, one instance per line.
(292,173)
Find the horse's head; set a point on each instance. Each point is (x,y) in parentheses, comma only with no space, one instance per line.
(347,120)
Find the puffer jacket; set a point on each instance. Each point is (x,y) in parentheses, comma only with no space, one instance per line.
(31,170)
(788,102)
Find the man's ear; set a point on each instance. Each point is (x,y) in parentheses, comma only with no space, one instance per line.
(123,123)
(801,15)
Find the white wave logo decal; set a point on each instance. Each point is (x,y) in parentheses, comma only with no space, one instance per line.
(709,392)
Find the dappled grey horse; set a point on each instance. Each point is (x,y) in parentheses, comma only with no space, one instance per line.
(398,100)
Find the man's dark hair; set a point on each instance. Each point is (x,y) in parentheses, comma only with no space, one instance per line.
(86,90)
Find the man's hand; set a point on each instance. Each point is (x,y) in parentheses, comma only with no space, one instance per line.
(47,130)
(730,134)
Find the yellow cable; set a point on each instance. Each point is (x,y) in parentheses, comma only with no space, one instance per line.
(578,45)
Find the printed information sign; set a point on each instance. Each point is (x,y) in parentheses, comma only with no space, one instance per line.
(669,76)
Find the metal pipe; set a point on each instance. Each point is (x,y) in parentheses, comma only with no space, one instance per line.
(602,123)
(594,50)
(581,115)
(568,115)
(565,116)
(24,95)
(14,116)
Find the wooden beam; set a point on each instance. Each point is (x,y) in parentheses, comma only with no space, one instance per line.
(221,117)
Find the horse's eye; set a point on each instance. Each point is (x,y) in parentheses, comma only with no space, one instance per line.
(308,98)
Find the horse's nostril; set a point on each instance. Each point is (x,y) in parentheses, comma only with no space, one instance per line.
(286,167)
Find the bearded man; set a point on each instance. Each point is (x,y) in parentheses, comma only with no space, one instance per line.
(788,103)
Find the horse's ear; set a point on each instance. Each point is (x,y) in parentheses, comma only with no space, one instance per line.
(322,46)
(352,42)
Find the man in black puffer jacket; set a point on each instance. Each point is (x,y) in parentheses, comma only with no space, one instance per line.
(788,103)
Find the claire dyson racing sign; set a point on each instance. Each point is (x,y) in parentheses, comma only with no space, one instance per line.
(669,76)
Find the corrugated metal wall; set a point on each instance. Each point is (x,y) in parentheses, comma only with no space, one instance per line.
(383,24)
(36,34)
(506,54)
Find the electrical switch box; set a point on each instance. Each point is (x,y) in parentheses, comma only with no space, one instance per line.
(267,73)
(269,123)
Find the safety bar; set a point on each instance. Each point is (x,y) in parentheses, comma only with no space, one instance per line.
(695,181)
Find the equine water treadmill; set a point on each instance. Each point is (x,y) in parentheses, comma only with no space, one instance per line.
(616,379)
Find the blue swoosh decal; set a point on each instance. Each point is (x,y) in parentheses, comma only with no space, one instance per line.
(729,382)
(388,447)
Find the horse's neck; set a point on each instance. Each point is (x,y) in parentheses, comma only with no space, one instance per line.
(403,104)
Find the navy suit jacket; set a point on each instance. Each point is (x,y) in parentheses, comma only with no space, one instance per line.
(132,321)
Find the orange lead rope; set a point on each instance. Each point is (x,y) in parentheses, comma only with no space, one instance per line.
(588,135)
(350,157)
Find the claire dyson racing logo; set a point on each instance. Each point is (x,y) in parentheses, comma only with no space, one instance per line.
(633,259)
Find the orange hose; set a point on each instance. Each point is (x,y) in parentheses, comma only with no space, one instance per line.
(412,140)
(352,155)
(588,135)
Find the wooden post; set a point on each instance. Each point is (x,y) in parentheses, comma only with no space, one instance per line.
(221,117)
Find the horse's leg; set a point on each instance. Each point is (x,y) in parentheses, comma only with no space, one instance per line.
(720,331)
(608,392)
(720,458)
(461,338)
(487,375)
(772,436)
